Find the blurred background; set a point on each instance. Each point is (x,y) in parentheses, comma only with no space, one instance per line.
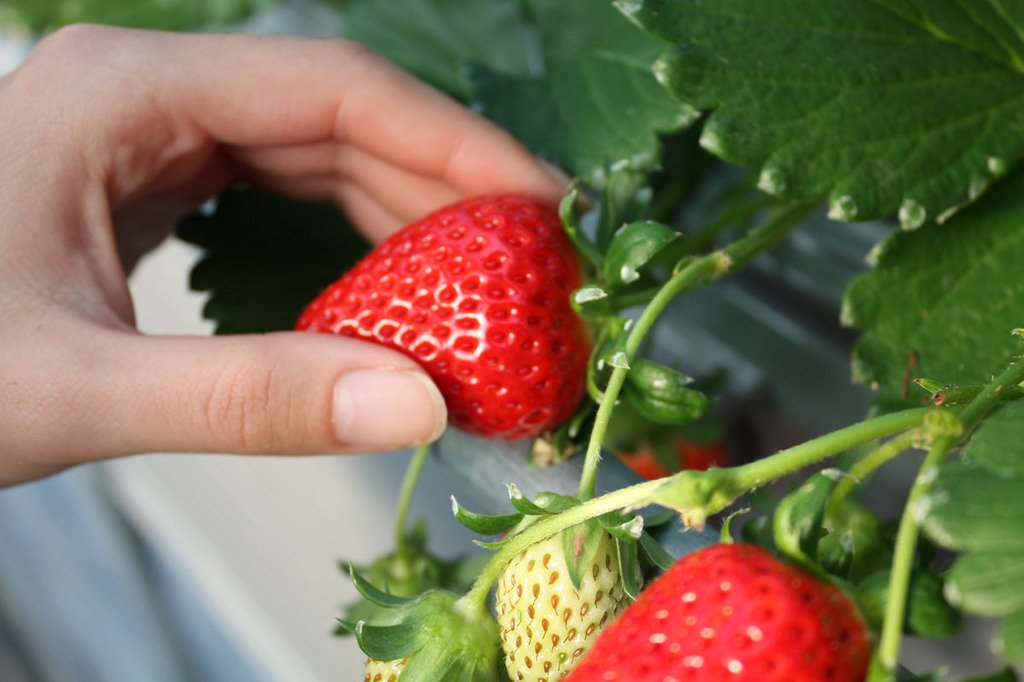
(220,568)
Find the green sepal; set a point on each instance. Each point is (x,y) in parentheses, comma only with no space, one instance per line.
(580,544)
(658,518)
(624,198)
(799,516)
(928,614)
(661,394)
(592,302)
(408,572)
(441,637)
(855,543)
(389,642)
(555,503)
(522,503)
(655,553)
(629,567)
(621,526)
(633,247)
(568,210)
(374,595)
(484,524)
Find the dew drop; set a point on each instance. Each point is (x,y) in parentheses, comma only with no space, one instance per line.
(842,208)
(628,273)
(712,141)
(771,181)
(912,215)
(997,166)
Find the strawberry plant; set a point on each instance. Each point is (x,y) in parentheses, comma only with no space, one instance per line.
(705,137)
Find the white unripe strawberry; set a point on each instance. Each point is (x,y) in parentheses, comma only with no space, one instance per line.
(546,623)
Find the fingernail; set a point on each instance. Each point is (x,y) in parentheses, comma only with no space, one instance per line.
(383,409)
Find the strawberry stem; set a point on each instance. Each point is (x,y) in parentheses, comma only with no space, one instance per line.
(412,476)
(944,438)
(693,275)
(885,452)
(697,492)
(762,471)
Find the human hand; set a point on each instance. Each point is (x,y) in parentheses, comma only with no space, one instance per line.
(108,136)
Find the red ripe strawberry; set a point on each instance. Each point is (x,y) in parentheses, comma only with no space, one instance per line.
(732,612)
(478,293)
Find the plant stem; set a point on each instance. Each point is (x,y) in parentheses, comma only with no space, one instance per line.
(865,465)
(762,471)
(887,657)
(697,273)
(723,486)
(412,476)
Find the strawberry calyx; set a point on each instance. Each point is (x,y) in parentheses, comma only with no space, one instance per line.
(438,638)
(408,571)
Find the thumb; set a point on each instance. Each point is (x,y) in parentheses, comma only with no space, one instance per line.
(283,393)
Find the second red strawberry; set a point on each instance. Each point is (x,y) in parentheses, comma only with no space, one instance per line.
(478,293)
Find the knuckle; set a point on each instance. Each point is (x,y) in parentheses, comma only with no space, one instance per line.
(243,406)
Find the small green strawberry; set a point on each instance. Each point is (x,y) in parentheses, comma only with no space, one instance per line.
(547,623)
(384,671)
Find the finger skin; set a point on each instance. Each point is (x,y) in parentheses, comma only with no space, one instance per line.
(251,394)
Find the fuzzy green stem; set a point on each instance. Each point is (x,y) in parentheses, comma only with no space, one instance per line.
(887,656)
(762,471)
(695,274)
(412,476)
(865,466)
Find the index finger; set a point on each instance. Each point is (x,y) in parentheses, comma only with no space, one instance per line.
(253,91)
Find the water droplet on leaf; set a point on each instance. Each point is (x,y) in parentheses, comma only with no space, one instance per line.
(912,215)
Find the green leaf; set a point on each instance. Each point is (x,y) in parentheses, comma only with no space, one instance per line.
(941,295)
(998,445)
(265,257)
(580,545)
(632,247)
(1010,639)
(928,614)
(975,506)
(484,524)
(598,112)
(988,582)
(843,98)
(435,39)
(570,78)
(971,508)
(42,15)
(661,394)
(990,28)
(797,522)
